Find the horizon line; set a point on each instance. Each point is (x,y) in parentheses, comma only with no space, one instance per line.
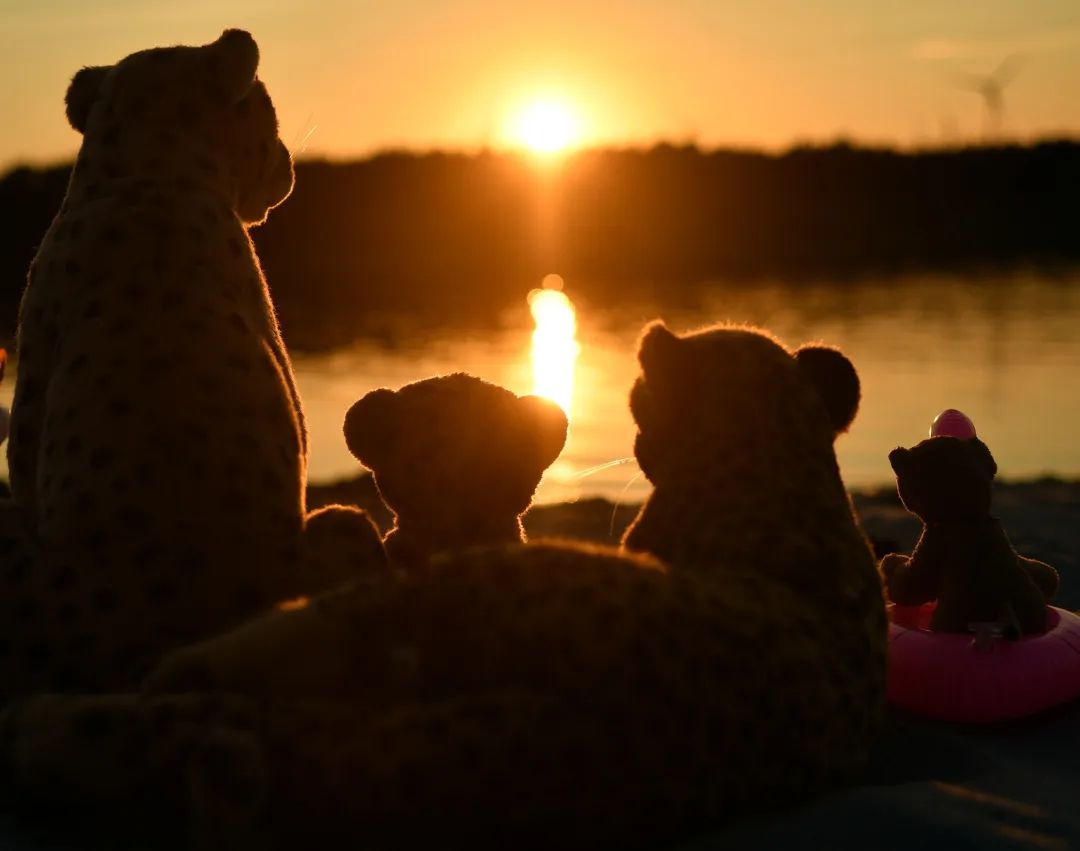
(839,142)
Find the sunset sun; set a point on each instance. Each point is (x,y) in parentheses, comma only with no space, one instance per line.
(545,126)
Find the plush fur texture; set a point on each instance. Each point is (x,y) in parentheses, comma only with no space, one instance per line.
(553,693)
(158,447)
(456,459)
(963,558)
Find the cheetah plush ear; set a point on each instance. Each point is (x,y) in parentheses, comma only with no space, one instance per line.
(238,55)
(371,426)
(81,95)
(836,380)
(657,347)
(546,425)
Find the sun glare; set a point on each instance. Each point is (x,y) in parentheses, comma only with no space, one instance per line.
(546,127)
(554,347)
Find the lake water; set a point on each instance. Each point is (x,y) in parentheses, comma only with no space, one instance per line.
(1005,349)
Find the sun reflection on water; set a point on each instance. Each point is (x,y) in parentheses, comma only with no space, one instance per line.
(554,344)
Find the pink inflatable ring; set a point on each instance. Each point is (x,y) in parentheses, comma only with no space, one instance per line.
(956,677)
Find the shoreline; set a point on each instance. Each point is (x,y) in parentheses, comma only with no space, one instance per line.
(1041,517)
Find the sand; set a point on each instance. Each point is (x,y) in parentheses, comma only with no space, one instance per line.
(930,785)
(1041,517)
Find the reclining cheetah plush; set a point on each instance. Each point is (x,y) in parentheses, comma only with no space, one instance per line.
(963,559)
(519,696)
(456,459)
(158,446)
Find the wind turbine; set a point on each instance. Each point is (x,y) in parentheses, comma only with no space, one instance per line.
(991,87)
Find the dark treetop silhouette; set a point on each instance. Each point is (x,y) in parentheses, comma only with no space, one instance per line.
(459,236)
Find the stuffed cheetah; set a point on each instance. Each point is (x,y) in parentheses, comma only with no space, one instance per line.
(730,658)
(158,446)
(456,459)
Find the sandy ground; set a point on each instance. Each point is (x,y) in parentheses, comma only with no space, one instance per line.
(1041,517)
(930,785)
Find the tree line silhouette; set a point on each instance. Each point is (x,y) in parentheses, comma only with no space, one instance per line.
(458,238)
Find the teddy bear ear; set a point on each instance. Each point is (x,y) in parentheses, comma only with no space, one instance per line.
(237,60)
(658,346)
(81,95)
(982,453)
(898,459)
(371,427)
(547,424)
(836,380)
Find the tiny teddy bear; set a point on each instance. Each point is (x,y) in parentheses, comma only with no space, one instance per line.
(963,558)
(455,458)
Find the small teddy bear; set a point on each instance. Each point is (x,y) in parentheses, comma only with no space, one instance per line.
(456,459)
(963,558)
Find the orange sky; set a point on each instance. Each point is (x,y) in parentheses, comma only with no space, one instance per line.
(352,77)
